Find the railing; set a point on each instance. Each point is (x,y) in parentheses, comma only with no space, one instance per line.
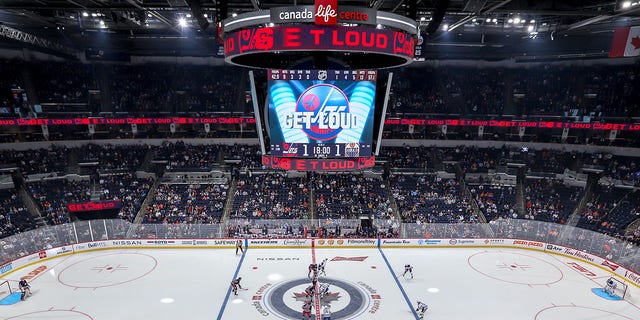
(43,238)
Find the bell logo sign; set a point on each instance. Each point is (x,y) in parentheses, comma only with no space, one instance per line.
(326,12)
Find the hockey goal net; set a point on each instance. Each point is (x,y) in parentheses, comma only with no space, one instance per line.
(616,287)
(5,289)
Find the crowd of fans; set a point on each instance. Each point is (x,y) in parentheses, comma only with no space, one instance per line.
(495,201)
(350,196)
(63,82)
(110,157)
(14,216)
(430,199)
(153,88)
(183,156)
(128,189)
(54,195)
(550,200)
(50,160)
(570,91)
(187,203)
(271,195)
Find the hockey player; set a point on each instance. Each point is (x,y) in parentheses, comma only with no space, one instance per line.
(326,312)
(25,288)
(610,287)
(235,284)
(309,291)
(239,246)
(408,268)
(323,290)
(312,268)
(321,267)
(306,310)
(421,309)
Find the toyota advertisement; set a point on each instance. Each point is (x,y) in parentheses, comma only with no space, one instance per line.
(321,113)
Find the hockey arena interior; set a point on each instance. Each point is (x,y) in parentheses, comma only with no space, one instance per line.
(319,159)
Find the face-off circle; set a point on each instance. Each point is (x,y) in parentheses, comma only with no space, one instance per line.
(347,300)
(322,99)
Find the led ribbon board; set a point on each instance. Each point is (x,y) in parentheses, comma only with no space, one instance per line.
(386,48)
(321,113)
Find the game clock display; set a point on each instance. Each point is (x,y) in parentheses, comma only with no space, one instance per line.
(321,113)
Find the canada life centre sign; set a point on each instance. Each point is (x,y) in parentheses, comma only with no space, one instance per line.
(324,12)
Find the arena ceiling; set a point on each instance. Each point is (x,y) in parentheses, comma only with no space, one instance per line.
(469,28)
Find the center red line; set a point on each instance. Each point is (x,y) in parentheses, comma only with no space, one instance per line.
(316,296)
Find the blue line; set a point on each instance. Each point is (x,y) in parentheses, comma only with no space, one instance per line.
(235,276)
(404,294)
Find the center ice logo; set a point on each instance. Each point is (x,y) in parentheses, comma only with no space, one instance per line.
(322,111)
(285,299)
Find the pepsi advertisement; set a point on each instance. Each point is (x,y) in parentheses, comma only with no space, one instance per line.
(321,113)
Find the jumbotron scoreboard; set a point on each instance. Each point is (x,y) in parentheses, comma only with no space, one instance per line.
(321,113)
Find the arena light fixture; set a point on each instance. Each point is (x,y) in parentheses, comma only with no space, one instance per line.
(85,14)
(516,20)
(530,28)
(626,5)
(445,27)
(182,22)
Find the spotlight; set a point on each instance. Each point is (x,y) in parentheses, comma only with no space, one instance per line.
(445,27)
(85,14)
(530,28)
(516,20)
(182,22)
(510,21)
(626,4)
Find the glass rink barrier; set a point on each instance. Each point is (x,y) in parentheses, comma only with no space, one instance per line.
(46,238)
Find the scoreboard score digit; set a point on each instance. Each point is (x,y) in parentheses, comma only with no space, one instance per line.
(321,113)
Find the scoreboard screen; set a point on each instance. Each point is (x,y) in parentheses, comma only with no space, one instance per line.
(321,113)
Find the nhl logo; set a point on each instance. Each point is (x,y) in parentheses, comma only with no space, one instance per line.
(352,150)
(322,75)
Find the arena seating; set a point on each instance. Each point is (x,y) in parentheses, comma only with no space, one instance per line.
(349,196)
(187,203)
(550,200)
(14,216)
(271,195)
(430,199)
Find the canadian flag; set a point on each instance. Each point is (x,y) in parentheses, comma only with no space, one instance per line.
(626,42)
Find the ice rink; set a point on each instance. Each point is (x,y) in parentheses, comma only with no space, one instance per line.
(193,284)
